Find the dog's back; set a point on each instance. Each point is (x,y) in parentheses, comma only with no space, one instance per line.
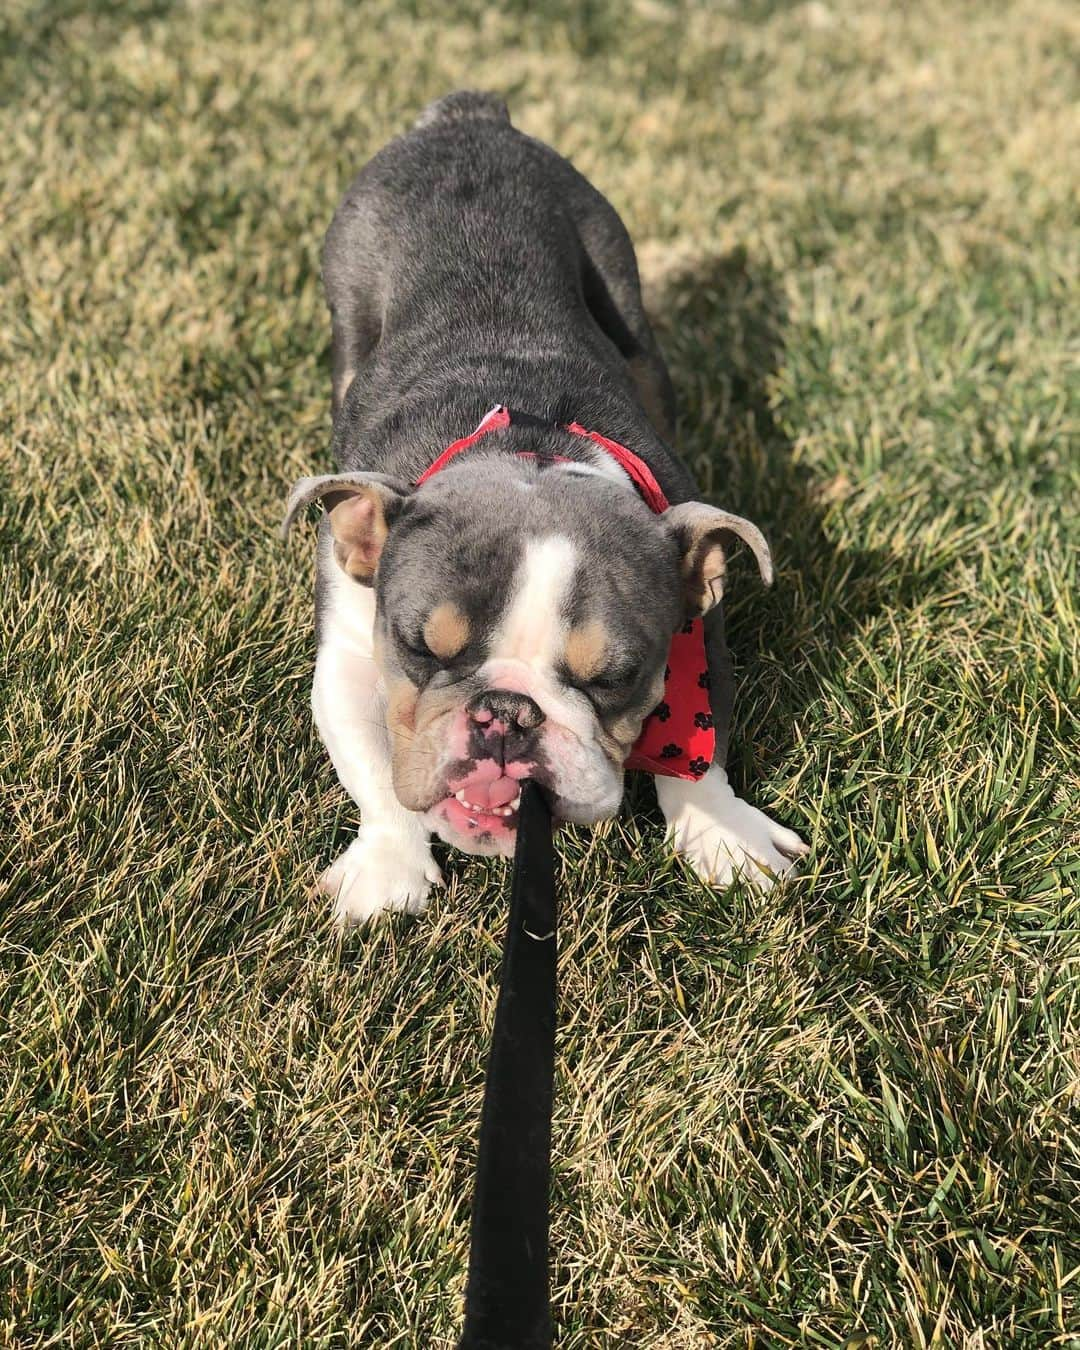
(467,256)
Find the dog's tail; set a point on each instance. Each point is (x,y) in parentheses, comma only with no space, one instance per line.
(465,105)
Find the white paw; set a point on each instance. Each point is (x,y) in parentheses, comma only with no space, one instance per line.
(380,871)
(722,837)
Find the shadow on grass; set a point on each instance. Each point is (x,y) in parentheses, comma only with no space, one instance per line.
(722,323)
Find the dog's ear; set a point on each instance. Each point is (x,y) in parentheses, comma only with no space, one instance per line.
(361,508)
(704,534)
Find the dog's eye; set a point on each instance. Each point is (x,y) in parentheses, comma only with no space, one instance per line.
(416,646)
(599,686)
(605,683)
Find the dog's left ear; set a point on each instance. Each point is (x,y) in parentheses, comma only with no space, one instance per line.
(361,507)
(704,535)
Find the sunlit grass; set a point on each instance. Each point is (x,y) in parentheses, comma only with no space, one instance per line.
(848,1111)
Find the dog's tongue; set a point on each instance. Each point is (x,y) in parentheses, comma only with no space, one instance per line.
(490,785)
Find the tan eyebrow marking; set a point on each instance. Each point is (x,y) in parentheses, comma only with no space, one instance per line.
(446,631)
(586,649)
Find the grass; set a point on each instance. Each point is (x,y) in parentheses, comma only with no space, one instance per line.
(846,1115)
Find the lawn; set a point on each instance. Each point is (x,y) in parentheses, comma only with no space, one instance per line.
(844,1115)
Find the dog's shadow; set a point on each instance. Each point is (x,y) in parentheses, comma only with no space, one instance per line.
(722,322)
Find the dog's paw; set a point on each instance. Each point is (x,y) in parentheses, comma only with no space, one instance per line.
(377,872)
(722,837)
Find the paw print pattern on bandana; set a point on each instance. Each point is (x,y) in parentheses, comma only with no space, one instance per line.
(677,738)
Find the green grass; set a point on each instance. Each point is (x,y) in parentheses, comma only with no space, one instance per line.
(847,1114)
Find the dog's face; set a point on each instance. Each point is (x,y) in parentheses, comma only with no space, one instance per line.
(523,620)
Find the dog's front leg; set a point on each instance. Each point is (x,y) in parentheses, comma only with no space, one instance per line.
(389,864)
(720,835)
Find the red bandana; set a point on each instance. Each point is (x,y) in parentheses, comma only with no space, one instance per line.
(677,738)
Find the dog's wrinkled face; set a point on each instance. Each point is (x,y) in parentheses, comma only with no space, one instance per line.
(523,616)
(522,625)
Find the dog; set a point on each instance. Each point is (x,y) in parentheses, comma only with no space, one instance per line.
(510,550)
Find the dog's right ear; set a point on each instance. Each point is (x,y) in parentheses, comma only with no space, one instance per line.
(361,508)
(703,535)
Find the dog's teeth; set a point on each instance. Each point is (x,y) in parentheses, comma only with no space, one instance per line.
(502,811)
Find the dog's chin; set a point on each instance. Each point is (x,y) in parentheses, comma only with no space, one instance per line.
(473,830)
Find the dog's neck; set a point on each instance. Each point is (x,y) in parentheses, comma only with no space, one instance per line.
(593,453)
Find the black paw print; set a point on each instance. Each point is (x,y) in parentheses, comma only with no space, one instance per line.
(698,765)
(703,720)
(688,626)
(667,672)
(671,751)
(661,712)
(703,680)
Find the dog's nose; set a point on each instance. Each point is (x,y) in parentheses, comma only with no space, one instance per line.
(516,711)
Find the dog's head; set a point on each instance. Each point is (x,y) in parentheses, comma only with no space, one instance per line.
(523,618)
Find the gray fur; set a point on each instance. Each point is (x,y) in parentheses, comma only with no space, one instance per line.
(627,577)
(470,265)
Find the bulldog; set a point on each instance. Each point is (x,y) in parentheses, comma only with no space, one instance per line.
(514,579)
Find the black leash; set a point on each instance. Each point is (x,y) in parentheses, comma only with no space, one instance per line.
(507,1298)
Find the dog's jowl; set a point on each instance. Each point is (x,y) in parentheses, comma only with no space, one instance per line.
(510,543)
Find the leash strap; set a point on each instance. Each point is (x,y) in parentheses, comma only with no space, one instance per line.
(507,1297)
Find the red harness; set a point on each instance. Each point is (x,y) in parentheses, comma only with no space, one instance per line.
(677,737)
